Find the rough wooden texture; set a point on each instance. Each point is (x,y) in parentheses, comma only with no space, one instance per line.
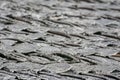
(59,39)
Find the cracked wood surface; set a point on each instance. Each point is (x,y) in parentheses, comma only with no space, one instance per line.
(59,40)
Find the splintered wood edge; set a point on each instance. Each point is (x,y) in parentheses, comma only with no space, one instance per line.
(116,54)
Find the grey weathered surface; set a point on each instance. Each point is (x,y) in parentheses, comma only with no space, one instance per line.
(59,39)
